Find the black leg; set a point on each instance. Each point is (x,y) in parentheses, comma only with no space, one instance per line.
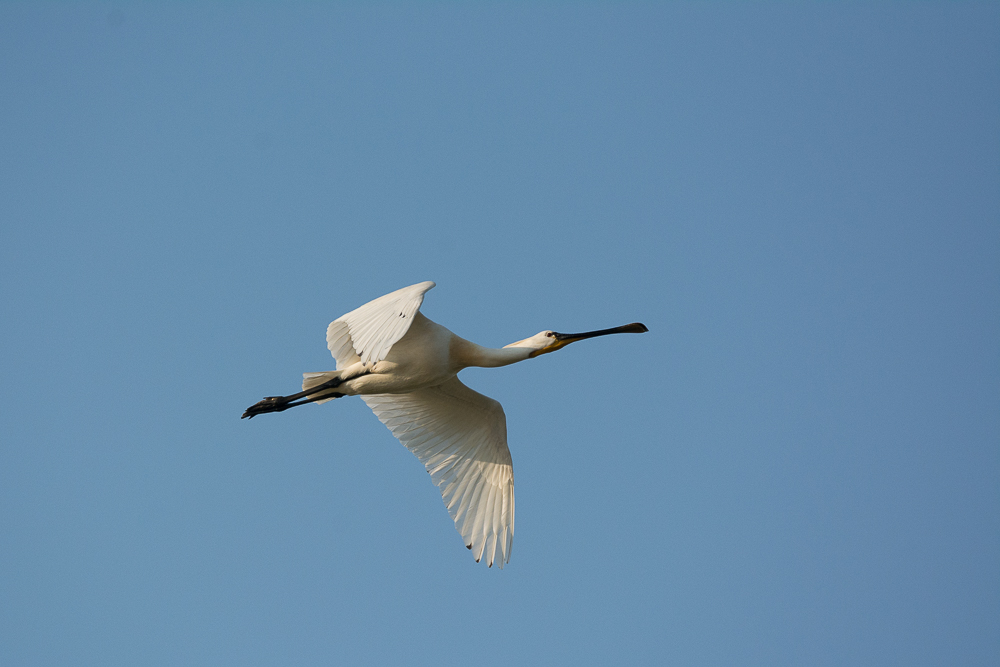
(282,403)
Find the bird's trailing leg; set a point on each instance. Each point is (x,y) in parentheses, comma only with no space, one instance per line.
(281,403)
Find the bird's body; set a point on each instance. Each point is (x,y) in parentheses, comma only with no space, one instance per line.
(404,366)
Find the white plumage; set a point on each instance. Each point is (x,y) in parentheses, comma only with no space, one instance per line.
(404,367)
(461,438)
(365,334)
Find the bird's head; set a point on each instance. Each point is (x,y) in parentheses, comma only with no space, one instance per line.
(544,342)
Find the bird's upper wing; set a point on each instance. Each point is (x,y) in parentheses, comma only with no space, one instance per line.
(366,333)
(461,438)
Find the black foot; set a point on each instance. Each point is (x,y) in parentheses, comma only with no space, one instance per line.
(269,404)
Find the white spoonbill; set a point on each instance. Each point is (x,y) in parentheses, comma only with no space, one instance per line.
(405,368)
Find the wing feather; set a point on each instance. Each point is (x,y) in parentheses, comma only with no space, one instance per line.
(461,438)
(367,333)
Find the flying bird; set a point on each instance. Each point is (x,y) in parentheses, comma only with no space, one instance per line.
(404,366)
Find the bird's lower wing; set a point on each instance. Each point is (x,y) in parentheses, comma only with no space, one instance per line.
(461,438)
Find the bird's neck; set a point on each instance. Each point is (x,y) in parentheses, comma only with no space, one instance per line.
(469,354)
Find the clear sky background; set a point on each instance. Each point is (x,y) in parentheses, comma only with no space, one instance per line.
(798,465)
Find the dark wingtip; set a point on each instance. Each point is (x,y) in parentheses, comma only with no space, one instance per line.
(469,547)
(640,327)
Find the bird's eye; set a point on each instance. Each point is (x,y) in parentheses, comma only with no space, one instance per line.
(549,334)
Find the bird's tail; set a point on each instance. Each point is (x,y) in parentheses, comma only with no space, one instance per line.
(310,380)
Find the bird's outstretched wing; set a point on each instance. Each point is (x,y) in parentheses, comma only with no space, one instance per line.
(461,438)
(366,333)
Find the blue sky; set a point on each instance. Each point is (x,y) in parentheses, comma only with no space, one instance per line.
(798,464)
